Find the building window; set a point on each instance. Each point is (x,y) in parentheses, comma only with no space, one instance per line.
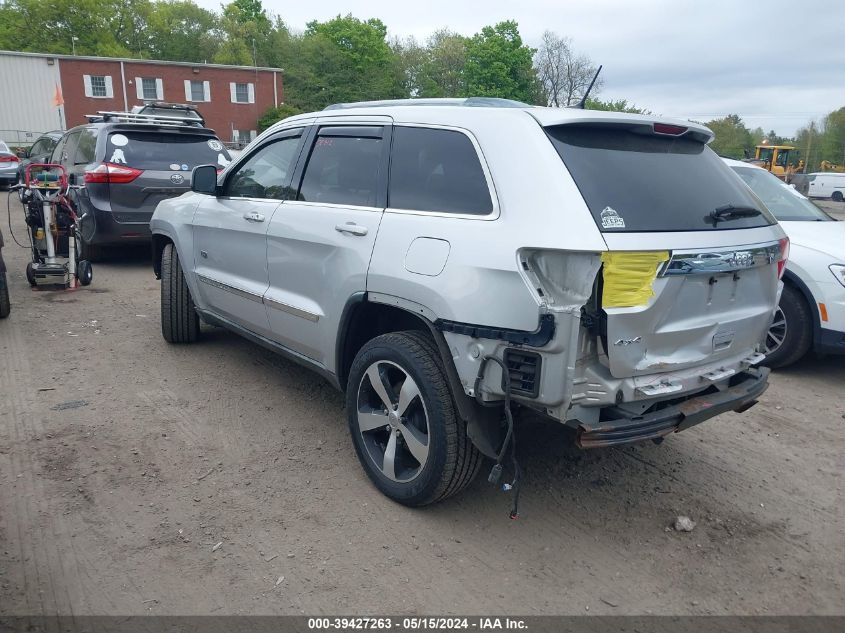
(149,87)
(197,90)
(242,93)
(98,86)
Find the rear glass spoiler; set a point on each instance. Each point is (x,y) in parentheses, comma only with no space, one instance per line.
(646,128)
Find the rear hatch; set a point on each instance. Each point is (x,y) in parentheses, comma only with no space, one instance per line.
(692,270)
(148,166)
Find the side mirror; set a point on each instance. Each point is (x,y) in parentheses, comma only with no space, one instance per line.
(204,180)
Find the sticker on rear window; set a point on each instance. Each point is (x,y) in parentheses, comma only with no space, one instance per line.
(611,220)
(222,160)
(174,166)
(119,140)
(118,157)
(215,145)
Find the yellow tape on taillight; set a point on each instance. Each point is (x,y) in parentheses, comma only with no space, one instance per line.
(628,277)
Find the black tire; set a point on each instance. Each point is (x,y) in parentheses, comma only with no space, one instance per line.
(179,320)
(837,196)
(5,304)
(451,459)
(797,333)
(84,272)
(30,274)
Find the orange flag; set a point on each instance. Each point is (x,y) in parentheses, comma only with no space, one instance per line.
(58,100)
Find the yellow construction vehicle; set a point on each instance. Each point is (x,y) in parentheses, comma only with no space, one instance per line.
(826,165)
(775,158)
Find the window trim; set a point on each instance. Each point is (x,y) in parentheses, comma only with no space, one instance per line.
(495,212)
(300,132)
(311,142)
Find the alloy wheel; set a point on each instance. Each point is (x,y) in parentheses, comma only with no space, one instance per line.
(393,421)
(777,332)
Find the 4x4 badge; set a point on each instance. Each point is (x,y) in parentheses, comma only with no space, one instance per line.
(611,220)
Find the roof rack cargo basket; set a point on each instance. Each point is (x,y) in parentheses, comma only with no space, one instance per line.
(144,119)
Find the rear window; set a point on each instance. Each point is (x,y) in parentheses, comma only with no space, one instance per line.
(165,152)
(636,182)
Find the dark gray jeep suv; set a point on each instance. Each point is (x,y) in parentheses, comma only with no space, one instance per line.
(128,165)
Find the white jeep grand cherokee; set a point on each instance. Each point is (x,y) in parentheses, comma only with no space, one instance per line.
(440,261)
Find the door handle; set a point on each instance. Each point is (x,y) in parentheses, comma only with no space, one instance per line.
(351,228)
(253,217)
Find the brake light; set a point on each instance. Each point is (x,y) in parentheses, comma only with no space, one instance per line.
(9,159)
(671,130)
(784,256)
(112,174)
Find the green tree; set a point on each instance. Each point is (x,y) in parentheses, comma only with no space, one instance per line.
(832,142)
(343,59)
(619,105)
(274,115)
(179,30)
(732,139)
(246,30)
(498,64)
(90,27)
(443,70)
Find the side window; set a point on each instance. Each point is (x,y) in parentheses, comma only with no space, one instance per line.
(85,150)
(56,156)
(436,170)
(267,172)
(66,148)
(344,167)
(39,147)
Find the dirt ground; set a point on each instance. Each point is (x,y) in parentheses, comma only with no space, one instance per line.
(138,477)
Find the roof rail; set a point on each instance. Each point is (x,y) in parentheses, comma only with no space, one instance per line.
(144,119)
(476,102)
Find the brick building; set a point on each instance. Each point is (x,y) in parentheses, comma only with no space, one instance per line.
(231,98)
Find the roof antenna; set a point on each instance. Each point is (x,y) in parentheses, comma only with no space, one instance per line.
(583,102)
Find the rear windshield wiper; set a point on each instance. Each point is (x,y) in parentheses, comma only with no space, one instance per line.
(730,212)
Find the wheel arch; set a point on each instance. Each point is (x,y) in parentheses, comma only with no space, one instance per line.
(159,241)
(795,281)
(364,319)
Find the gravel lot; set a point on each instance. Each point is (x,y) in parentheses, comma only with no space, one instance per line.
(138,477)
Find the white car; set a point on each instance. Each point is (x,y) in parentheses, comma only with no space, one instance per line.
(811,314)
(827,185)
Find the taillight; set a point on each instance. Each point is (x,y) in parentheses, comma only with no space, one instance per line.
(672,130)
(9,159)
(784,256)
(112,174)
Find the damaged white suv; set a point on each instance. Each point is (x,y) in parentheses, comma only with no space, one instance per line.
(617,270)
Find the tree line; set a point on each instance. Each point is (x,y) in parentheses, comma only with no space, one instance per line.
(815,142)
(339,60)
(349,59)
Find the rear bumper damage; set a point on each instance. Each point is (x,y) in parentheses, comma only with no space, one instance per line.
(628,429)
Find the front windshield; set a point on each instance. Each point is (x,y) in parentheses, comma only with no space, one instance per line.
(786,204)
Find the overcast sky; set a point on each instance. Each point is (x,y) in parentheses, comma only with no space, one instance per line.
(776,63)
